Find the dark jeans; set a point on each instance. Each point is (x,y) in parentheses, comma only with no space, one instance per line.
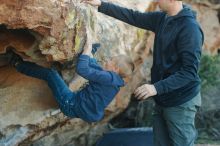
(63,95)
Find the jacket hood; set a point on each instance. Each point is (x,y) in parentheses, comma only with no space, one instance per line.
(186,12)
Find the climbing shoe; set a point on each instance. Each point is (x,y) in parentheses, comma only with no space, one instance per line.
(14,59)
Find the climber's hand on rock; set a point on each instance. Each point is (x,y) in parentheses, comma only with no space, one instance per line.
(92,2)
(145,91)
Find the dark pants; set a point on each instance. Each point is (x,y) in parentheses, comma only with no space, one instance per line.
(174,126)
(63,95)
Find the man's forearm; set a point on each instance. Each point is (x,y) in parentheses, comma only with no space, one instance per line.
(146,20)
(118,12)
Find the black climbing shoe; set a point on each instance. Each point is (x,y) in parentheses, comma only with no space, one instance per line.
(4,59)
(14,59)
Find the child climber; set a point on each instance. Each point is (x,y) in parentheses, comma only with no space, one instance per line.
(90,102)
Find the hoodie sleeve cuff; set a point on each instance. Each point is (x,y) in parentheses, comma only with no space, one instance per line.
(103,7)
(84,57)
(159,88)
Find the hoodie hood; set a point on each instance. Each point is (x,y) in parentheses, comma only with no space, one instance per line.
(186,12)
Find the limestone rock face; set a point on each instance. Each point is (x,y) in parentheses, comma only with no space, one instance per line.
(55,30)
(57,25)
(51,31)
(209,18)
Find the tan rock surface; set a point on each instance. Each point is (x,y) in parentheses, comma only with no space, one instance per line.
(55,30)
(210,22)
(24,100)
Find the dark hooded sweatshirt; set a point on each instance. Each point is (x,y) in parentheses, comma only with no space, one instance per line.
(177,50)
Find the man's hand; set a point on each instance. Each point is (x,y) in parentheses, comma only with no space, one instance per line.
(145,91)
(92,2)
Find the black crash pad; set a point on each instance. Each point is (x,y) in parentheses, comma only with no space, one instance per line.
(127,137)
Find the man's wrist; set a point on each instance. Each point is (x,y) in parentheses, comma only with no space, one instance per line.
(86,52)
(154,90)
(103,6)
(100,3)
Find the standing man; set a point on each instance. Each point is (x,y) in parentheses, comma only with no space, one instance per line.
(174,75)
